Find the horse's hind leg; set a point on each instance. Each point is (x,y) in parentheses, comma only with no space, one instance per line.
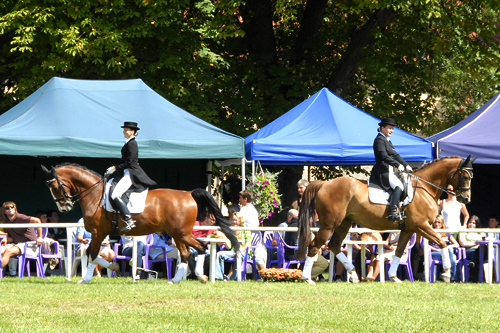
(182,267)
(335,244)
(183,244)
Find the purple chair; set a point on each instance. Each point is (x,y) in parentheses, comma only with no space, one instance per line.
(123,258)
(283,262)
(148,262)
(24,259)
(247,259)
(268,243)
(56,255)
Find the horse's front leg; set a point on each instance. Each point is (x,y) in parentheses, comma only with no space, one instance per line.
(404,237)
(95,259)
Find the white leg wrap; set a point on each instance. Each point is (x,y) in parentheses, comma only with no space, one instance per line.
(343,259)
(200,263)
(179,275)
(101,262)
(394,266)
(306,272)
(445,256)
(90,272)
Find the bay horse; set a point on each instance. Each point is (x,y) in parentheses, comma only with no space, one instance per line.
(344,200)
(166,210)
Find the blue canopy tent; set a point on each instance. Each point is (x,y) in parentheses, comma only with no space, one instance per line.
(326,130)
(477,135)
(68,120)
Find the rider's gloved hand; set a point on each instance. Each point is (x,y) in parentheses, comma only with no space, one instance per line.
(409,169)
(110,171)
(401,168)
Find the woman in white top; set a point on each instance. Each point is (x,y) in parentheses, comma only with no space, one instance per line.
(450,208)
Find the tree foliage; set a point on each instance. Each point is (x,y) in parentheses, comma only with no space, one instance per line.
(241,64)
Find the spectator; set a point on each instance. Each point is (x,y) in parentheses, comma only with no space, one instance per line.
(291,214)
(233,209)
(451,208)
(252,221)
(468,240)
(389,253)
(18,236)
(494,223)
(55,233)
(84,238)
(301,187)
(450,242)
(248,210)
(165,241)
(245,235)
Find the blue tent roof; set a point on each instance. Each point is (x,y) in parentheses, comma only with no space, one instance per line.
(82,118)
(326,130)
(476,135)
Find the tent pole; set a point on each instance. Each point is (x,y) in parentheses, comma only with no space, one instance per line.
(243,174)
(209,176)
(221,186)
(253,170)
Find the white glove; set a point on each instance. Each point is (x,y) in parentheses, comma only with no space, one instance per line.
(409,169)
(401,168)
(110,170)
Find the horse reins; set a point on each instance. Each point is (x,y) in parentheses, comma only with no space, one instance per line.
(458,191)
(73,198)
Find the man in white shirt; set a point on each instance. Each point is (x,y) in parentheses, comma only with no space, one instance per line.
(252,221)
(248,210)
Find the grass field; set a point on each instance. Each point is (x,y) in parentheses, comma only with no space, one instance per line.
(120,305)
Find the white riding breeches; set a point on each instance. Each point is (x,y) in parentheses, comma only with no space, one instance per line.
(393,181)
(122,186)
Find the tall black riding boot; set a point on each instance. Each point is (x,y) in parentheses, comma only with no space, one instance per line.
(393,205)
(125,214)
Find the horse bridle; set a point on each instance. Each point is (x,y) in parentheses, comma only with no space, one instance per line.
(68,198)
(460,188)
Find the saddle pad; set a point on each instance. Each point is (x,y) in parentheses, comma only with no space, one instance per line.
(379,196)
(135,205)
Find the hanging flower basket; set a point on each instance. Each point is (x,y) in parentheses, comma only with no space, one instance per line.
(265,194)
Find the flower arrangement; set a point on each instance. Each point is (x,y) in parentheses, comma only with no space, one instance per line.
(281,275)
(265,194)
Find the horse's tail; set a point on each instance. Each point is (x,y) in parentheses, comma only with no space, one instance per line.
(206,205)
(306,210)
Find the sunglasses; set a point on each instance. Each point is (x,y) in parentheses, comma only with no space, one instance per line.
(9,207)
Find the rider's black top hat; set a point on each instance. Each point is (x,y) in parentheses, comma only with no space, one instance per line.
(131,125)
(387,121)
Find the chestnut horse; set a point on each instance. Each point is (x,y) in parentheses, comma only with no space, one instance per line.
(172,211)
(344,200)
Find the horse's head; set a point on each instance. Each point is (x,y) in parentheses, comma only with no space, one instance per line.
(461,180)
(57,187)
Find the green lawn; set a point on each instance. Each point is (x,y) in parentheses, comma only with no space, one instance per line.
(120,305)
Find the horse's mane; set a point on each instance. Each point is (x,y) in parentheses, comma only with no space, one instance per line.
(85,169)
(428,164)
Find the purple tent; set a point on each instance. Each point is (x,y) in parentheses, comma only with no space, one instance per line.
(476,135)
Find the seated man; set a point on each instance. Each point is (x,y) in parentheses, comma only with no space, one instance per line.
(14,244)
(165,241)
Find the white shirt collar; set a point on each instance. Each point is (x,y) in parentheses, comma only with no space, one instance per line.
(388,139)
(133,137)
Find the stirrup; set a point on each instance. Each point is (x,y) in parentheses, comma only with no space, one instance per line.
(394,217)
(129,225)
